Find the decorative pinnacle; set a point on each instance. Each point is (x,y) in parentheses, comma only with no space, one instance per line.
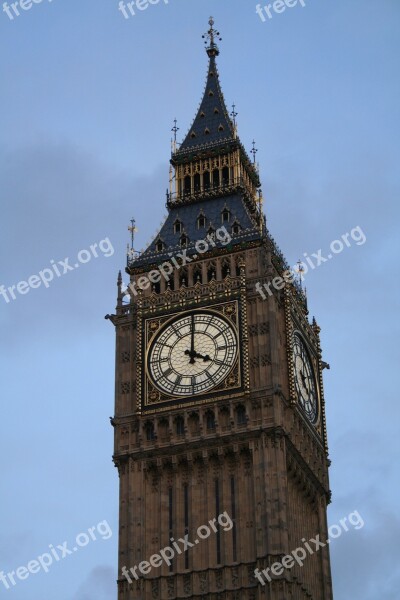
(254,151)
(132,230)
(209,38)
(175,129)
(131,252)
(234,114)
(300,271)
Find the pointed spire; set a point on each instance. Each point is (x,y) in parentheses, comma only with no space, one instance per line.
(212,123)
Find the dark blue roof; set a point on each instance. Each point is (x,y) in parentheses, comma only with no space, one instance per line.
(188,216)
(212,123)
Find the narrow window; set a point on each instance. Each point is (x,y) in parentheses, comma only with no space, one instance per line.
(150,435)
(170,521)
(235,228)
(197,276)
(177,227)
(210,420)
(233,513)
(218,532)
(186,511)
(216,178)
(201,222)
(180,426)
(225,270)
(183,278)
(225,176)
(206,180)
(225,215)
(197,182)
(188,185)
(241,415)
(211,273)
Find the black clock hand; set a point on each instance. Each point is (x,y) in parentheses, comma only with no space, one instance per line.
(192,337)
(304,380)
(205,358)
(191,352)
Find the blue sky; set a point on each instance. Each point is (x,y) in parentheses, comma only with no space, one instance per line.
(87,104)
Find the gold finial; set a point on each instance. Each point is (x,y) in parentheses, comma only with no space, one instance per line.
(300,271)
(209,37)
(174,130)
(132,254)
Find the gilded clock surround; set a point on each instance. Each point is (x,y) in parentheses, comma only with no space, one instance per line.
(230,311)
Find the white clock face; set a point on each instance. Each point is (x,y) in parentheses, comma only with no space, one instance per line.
(192,354)
(305,379)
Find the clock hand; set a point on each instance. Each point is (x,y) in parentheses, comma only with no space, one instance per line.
(191,352)
(192,356)
(192,336)
(205,358)
(304,381)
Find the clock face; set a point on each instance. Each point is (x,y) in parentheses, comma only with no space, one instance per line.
(192,354)
(304,379)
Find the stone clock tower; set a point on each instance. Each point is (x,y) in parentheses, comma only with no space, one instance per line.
(219,404)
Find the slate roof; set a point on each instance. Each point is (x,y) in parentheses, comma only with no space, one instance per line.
(188,215)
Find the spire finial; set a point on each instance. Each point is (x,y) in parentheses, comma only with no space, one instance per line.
(132,230)
(175,130)
(254,151)
(300,271)
(131,252)
(234,114)
(209,37)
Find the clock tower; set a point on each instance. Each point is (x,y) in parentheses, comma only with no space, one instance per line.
(219,409)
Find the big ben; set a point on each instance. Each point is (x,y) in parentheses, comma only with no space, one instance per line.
(219,417)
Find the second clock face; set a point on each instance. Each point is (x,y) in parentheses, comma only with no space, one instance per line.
(305,379)
(192,354)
